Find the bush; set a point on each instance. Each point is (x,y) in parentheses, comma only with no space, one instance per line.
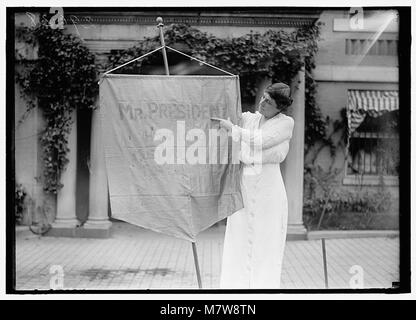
(346,210)
(19,206)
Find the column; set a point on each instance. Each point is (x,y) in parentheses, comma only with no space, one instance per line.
(292,169)
(98,223)
(66,217)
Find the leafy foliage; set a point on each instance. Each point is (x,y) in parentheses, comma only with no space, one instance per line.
(347,209)
(64,76)
(275,55)
(62,79)
(19,200)
(326,206)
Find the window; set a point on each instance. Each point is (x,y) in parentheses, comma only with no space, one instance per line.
(373,144)
(381,47)
(374,147)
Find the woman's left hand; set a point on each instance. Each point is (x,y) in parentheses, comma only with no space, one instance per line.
(226,124)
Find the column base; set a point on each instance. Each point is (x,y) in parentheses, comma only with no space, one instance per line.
(63,228)
(95,229)
(72,229)
(296,232)
(100,224)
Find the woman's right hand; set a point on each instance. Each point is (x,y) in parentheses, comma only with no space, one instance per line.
(226,124)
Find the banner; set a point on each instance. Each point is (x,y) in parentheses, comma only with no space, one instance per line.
(170,168)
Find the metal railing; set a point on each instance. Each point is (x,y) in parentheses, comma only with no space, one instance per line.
(373,153)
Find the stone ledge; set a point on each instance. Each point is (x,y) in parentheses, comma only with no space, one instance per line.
(349,73)
(348,234)
(23,231)
(279,18)
(295,237)
(80,232)
(61,232)
(97,233)
(295,232)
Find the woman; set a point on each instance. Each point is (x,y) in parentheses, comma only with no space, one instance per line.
(255,235)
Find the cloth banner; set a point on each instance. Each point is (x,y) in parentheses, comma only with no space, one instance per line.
(169,166)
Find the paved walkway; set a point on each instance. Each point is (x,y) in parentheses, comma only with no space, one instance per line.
(134,258)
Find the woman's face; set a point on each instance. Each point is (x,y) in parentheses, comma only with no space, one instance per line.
(267,106)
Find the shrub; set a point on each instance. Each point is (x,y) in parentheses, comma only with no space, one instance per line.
(346,209)
(19,203)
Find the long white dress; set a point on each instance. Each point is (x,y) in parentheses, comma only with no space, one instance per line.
(255,235)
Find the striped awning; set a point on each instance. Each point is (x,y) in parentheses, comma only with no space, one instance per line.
(369,102)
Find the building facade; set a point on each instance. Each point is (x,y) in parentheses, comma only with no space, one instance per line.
(357,74)
(343,65)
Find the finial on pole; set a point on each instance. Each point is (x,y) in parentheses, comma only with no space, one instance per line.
(159,21)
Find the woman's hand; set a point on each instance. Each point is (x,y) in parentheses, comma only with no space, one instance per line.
(226,124)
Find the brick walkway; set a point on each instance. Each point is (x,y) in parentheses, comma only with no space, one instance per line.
(134,258)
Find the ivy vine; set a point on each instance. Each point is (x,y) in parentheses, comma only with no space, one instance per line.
(63,78)
(275,55)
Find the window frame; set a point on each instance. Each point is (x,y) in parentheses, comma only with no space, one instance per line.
(367,179)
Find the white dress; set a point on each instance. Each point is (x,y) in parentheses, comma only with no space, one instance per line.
(255,235)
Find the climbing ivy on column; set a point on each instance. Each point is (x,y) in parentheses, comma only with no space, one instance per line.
(62,79)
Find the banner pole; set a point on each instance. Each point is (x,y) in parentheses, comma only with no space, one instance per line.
(198,273)
(324,262)
(159,20)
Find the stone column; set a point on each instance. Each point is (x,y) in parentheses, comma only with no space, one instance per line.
(98,224)
(292,169)
(66,216)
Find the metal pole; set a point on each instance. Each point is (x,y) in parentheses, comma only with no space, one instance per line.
(324,258)
(159,20)
(198,273)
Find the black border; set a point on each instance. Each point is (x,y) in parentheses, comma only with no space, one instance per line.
(405,144)
(10,259)
(404,175)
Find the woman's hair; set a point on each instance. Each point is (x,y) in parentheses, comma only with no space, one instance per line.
(280,93)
